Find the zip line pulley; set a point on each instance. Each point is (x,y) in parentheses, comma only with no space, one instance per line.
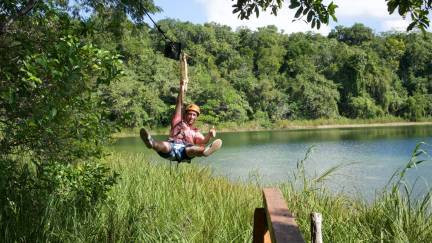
(172,48)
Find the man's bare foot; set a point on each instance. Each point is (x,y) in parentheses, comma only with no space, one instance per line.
(146,138)
(213,147)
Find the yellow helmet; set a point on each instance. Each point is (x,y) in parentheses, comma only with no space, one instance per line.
(193,107)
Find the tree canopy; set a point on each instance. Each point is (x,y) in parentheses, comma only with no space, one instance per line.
(54,123)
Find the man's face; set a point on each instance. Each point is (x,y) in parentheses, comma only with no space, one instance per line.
(190,117)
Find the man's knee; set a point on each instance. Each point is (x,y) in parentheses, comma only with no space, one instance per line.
(162,146)
(195,150)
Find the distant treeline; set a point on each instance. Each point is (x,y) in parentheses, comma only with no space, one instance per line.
(267,75)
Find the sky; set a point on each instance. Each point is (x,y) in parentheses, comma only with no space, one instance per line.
(372,13)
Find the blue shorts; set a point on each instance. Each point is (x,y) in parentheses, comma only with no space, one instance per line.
(177,153)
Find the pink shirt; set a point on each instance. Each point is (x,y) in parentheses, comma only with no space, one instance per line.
(182,132)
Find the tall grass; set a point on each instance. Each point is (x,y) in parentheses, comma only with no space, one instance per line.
(159,203)
(154,202)
(396,214)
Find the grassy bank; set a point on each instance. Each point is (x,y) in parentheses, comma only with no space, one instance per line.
(154,202)
(159,203)
(287,124)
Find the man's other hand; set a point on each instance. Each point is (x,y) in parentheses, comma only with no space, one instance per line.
(212,132)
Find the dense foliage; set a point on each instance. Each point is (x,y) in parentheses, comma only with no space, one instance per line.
(53,120)
(265,75)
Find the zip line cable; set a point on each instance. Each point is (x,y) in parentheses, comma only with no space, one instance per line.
(157,26)
(172,48)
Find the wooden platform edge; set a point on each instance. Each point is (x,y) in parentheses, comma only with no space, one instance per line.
(281,223)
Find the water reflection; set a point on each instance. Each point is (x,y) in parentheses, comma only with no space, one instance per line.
(295,136)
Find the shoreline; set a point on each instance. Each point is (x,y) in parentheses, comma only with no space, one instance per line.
(284,127)
(336,126)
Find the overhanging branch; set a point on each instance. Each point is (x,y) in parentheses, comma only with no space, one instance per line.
(29,6)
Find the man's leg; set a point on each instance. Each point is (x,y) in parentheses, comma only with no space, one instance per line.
(158,146)
(162,146)
(200,150)
(195,151)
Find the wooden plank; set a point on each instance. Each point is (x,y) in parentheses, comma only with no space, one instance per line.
(281,222)
(261,233)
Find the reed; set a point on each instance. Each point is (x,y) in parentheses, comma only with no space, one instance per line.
(159,202)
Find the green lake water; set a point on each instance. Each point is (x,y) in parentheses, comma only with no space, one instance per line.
(371,155)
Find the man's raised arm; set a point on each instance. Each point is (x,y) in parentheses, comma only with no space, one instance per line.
(177,116)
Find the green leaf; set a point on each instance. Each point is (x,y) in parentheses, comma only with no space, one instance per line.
(333,17)
(391,6)
(274,10)
(403,7)
(411,26)
(53,112)
(331,8)
(299,11)
(279,3)
(294,4)
(309,16)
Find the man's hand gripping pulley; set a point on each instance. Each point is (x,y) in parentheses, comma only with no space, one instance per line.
(184,80)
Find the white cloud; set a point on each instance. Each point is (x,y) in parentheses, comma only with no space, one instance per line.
(374,12)
(395,24)
(364,8)
(220,11)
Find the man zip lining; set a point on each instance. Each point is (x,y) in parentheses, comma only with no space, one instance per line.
(185,141)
